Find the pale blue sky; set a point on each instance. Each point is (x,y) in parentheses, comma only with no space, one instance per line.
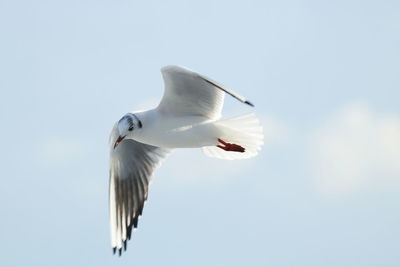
(324,76)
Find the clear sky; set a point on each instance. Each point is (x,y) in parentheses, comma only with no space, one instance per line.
(323,75)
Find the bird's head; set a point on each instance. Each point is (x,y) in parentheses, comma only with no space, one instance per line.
(126,126)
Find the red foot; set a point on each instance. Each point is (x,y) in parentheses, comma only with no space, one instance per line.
(230,147)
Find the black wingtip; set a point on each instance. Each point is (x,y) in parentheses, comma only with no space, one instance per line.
(135,222)
(120,252)
(114,250)
(129,232)
(249,103)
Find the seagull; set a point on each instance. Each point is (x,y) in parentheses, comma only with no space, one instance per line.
(188,116)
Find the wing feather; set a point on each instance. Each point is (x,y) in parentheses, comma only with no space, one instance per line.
(131,166)
(188,93)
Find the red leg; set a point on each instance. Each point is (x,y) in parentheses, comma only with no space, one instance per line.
(230,147)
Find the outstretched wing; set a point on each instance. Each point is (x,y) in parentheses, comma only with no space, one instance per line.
(191,94)
(131,166)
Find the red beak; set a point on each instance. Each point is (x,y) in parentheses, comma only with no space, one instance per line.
(119,140)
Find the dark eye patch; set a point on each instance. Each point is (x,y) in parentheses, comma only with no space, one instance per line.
(130,122)
(139,122)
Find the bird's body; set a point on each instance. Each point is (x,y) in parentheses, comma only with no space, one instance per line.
(164,130)
(188,116)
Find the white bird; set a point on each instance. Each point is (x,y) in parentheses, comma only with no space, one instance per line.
(187,116)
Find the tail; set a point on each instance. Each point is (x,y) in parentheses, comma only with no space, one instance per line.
(244,131)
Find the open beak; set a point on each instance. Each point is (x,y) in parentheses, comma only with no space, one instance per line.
(119,140)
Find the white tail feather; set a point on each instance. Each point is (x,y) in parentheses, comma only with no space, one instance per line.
(245,131)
